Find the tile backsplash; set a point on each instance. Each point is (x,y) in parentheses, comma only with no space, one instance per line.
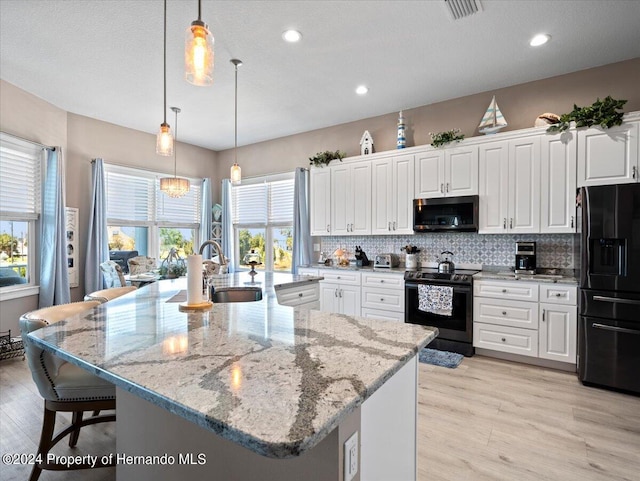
(560,251)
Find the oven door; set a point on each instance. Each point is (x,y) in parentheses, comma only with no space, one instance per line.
(457,327)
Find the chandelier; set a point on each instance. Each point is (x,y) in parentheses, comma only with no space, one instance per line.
(175,187)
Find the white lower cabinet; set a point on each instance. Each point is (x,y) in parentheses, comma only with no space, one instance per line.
(307,295)
(546,329)
(340,299)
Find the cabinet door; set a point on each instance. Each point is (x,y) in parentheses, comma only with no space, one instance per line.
(340,199)
(461,171)
(494,187)
(328,297)
(381,195)
(402,196)
(349,300)
(429,173)
(557,332)
(320,208)
(359,207)
(558,183)
(524,185)
(608,156)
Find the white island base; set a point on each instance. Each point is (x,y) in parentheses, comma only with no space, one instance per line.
(386,425)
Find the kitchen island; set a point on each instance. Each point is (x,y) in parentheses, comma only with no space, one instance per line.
(250,390)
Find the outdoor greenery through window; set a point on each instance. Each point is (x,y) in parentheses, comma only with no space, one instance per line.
(262,212)
(20,205)
(143,219)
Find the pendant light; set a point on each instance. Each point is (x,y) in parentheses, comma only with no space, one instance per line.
(198,52)
(175,186)
(164,142)
(236,171)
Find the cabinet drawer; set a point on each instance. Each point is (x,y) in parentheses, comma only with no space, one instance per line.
(506,339)
(307,271)
(523,291)
(341,277)
(295,296)
(382,314)
(559,294)
(383,298)
(375,279)
(505,312)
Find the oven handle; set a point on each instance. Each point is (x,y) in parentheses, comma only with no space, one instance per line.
(597,325)
(618,300)
(457,288)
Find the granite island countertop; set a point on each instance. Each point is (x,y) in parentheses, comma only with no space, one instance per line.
(271,378)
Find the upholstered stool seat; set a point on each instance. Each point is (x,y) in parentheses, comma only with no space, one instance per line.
(106,295)
(64,386)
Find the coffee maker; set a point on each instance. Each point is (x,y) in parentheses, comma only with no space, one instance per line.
(525,257)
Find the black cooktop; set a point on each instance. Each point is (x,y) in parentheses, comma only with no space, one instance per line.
(461,276)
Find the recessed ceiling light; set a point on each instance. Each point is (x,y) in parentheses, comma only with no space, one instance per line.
(292,36)
(539,39)
(362,89)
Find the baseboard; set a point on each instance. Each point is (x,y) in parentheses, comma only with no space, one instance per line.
(506,356)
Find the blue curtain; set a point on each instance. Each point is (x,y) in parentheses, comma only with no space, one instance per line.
(302,248)
(205,218)
(98,241)
(54,276)
(227,225)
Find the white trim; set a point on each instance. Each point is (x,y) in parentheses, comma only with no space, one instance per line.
(25,290)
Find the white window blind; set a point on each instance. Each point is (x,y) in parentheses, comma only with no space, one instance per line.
(20,178)
(268,202)
(184,210)
(129,197)
(281,202)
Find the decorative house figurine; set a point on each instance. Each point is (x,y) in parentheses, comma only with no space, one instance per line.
(402,142)
(366,143)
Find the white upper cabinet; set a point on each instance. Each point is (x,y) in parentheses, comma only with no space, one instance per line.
(608,156)
(320,205)
(510,186)
(392,195)
(351,199)
(558,183)
(447,172)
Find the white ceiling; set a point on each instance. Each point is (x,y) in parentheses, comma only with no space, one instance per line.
(103,59)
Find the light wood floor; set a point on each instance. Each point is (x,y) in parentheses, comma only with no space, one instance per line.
(486,420)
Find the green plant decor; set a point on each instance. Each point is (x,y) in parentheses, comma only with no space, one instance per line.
(173,270)
(601,112)
(324,158)
(443,138)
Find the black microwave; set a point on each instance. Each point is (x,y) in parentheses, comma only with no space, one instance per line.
(446,214)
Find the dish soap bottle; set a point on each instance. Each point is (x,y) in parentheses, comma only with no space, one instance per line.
(401,143)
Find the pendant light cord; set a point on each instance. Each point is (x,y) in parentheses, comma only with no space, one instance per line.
(235,140)
(165,61)
(175,145)
(199,9)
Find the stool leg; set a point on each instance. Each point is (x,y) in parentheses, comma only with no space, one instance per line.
(48,425)
(75,420)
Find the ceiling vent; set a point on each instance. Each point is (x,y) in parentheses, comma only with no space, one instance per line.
(462,8)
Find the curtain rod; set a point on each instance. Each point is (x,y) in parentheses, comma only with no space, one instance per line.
(28,141)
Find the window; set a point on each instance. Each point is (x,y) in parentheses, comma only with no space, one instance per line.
(262,212)
(20,205)
(142,218)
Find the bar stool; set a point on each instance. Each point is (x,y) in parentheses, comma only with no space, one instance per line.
(105,295)
(64,387)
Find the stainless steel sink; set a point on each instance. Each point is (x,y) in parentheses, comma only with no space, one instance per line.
(237,294)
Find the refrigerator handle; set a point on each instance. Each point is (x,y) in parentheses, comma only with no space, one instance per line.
(615,300)
(614,328)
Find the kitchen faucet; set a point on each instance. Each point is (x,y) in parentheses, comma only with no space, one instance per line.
(211,242)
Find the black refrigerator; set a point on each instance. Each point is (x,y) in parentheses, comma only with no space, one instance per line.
(609,321)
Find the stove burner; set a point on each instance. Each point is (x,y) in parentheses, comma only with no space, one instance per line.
(432,275)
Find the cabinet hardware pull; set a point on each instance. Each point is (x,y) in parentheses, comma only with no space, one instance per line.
(442,188)
(327,227)
(382,299)
(504,313)
(381,281)
(340,292)
(504,222)
(543,315)
(447,186)
(511,223)
(394,225)
(389,228)
(571,221)
(335,293)
(558,294)
(504,290)
(504,340)
(300,295)
(338,277)
(635,170)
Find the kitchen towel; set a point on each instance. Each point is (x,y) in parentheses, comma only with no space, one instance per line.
(194,279)
(435,299)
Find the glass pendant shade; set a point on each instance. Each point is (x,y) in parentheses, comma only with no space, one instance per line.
(174,186)
(198,54)
(164,142)
(236,174)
